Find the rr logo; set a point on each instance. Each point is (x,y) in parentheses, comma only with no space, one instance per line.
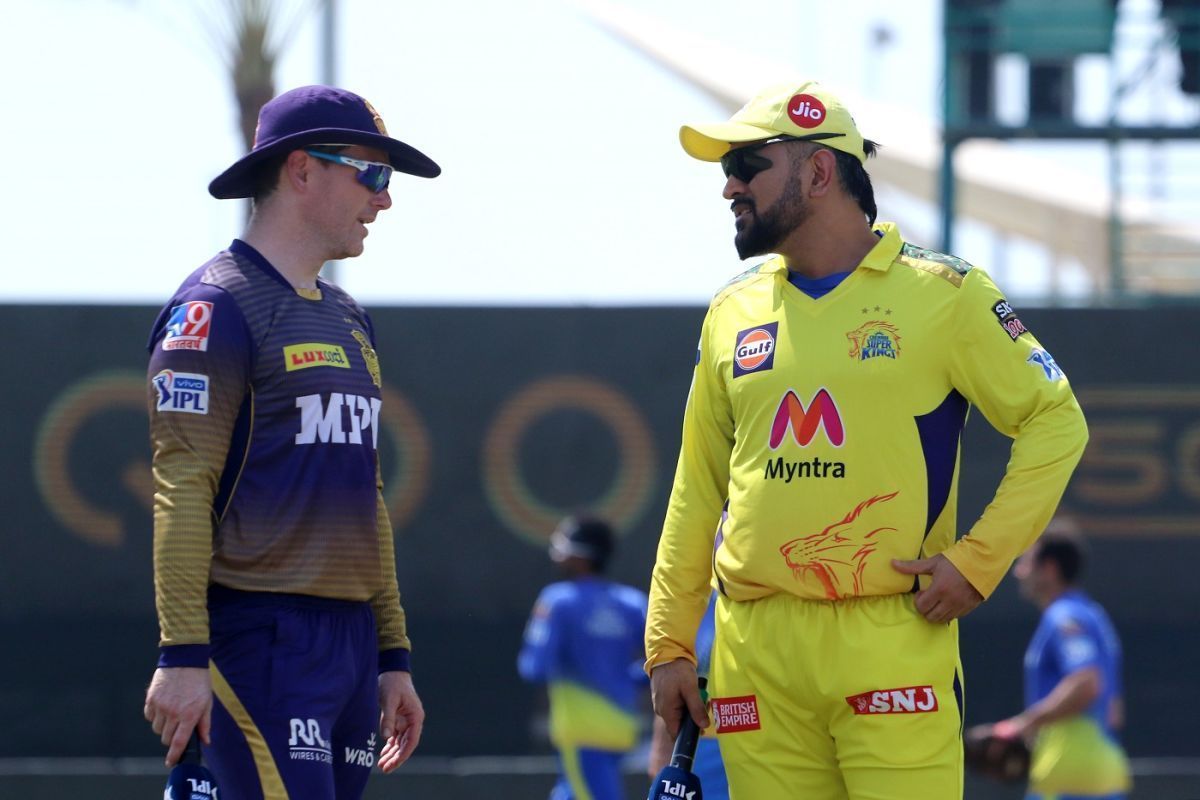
(308,732)
(804,422)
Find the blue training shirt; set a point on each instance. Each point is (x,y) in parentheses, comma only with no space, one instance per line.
(584,640)
(1074,633)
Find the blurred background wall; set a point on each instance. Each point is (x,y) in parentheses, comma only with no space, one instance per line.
(497,420)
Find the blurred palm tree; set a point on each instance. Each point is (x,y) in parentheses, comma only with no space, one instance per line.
(249,35)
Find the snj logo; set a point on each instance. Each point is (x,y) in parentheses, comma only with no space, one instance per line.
(804,422)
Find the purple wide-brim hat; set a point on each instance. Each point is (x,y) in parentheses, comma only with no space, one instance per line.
(316,115)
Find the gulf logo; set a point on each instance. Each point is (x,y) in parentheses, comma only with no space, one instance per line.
(754,349)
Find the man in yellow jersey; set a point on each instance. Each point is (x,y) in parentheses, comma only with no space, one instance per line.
(821,442)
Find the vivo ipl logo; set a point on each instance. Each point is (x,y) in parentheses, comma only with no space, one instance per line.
(754,349)
(181,391)
(804,422)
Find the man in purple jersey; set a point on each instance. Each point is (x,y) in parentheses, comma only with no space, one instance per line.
(283,643)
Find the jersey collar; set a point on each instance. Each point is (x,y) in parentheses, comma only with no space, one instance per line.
(886,250)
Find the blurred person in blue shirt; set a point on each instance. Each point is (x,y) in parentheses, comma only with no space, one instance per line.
(707,766)
(584,641)
(1073,696)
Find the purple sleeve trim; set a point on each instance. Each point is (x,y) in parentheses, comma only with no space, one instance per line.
(394,660)
(183,655)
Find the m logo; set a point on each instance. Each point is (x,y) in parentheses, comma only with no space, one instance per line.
(909,700)
(804,422)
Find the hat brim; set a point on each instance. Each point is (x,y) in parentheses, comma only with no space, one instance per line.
(240,179)
(710,142)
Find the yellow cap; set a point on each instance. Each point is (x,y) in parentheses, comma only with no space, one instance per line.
(806,112)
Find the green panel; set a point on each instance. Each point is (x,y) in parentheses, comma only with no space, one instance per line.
(1039,29)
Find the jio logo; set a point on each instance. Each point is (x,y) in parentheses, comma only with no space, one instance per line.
(806,111)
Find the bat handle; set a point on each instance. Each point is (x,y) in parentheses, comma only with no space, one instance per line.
(689,735)
(191,753)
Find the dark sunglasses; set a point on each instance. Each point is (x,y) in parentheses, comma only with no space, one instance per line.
(744,163)
(371,174)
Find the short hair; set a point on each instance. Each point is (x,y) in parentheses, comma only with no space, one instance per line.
(266,178)
(584,536)
(1065,547)
(853,176)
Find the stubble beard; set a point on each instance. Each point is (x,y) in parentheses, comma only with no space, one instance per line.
(765,232)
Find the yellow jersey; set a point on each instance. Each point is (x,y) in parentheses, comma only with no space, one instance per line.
(821,437)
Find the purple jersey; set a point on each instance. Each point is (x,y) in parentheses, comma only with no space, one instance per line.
(264,408)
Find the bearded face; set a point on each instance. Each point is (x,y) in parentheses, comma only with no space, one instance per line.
(761,230)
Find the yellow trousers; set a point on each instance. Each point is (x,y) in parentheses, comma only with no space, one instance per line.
(856,699)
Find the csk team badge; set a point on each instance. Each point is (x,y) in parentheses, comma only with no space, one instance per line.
(874,339)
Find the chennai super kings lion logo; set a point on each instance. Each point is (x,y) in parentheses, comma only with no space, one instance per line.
(368,354)
(873,339)
(837,556)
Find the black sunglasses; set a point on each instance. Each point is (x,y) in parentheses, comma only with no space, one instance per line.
(744,163)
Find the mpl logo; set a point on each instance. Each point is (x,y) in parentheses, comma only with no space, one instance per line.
(183,392)
(343,421)
(188,326)
(754,349)
(306,742)
(735,714)
(804,422)
(806,110)
(909,700)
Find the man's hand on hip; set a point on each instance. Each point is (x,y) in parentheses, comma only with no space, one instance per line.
(179,700)
(949,595)
(675,692)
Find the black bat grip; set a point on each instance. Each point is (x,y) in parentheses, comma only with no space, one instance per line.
(689,735)
(191,753)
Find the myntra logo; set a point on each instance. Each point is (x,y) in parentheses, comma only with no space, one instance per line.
(804,422)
